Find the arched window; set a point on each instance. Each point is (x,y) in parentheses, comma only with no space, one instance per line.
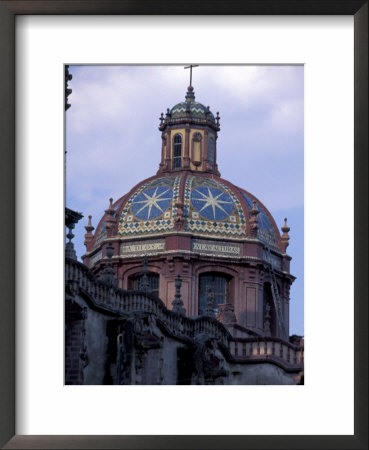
(135,282)
(211,152)
(217,286)
(177,151)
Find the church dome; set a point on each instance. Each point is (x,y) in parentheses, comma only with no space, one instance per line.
(187,196)
(196,204)
(187,220)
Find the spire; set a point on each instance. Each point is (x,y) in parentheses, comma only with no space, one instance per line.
(111,219)
(109,274)
(89,228)
(110,210)
(88,236)
(254,222)
(218,119)
(177,303)
(190,95)
(71,218)
(145,284)
(285,236)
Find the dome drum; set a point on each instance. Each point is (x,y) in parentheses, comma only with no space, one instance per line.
(244,278)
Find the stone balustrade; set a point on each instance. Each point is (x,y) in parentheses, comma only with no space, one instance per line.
(123,302)
(267,348)
(252,349)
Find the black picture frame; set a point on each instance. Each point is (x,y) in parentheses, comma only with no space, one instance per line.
(8,12)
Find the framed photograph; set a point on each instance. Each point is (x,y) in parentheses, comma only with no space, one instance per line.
(179,230)
(78,47)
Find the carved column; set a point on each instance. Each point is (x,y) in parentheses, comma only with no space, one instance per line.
(186,157)
(205,155)
(169,145)
(163,150)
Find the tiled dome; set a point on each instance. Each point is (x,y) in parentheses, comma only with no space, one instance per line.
(195,109)
(190,111)
(211,207)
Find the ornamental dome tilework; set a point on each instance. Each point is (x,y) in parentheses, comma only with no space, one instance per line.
(150,209)
(210,207)
(193,108)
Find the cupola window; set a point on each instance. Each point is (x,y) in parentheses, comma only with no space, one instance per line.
(177,151)
(211,152)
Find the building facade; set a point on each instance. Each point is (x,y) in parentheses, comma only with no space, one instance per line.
(214,261)
(189,221)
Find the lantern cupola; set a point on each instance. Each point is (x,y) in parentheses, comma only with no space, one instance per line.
(189,135)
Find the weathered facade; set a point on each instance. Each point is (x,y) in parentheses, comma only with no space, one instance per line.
(126,337)
(229,322)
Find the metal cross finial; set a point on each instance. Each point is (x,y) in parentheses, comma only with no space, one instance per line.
(190,67)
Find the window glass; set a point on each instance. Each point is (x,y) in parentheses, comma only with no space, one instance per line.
(177,151)
(211,151)
(136,280)
(218,288)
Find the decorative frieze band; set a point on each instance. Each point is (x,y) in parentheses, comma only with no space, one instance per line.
(143,248)
(215,248)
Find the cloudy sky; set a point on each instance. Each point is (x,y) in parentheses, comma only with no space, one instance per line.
(113,141)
